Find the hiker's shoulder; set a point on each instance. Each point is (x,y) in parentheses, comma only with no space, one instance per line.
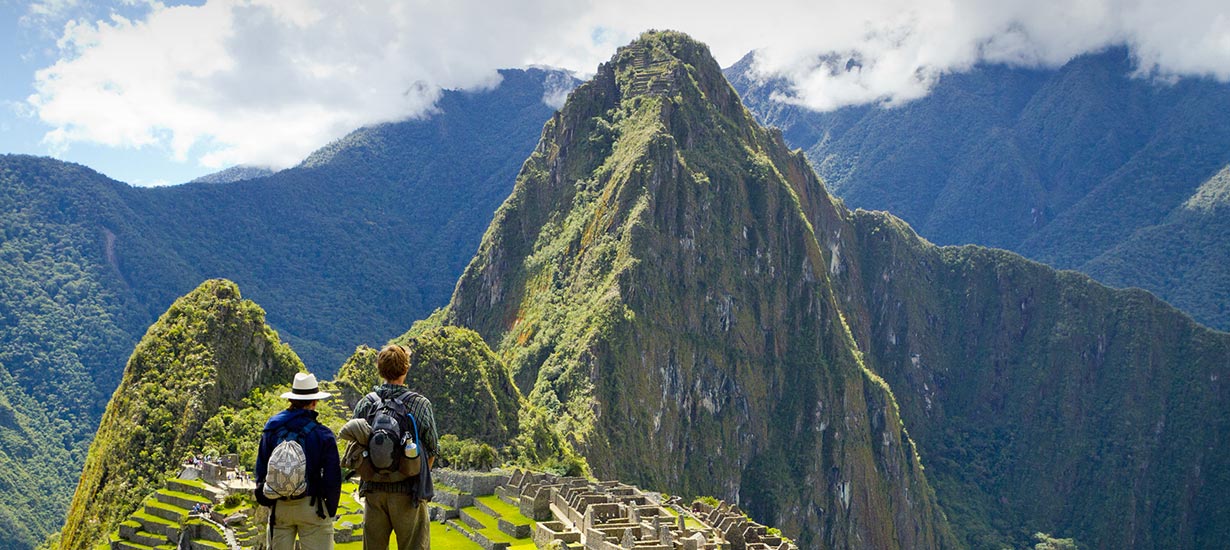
(420,399)
(276,421)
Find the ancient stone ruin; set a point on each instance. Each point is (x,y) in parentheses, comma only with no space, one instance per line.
(576,513)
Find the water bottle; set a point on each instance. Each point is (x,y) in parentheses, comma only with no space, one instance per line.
(412,450)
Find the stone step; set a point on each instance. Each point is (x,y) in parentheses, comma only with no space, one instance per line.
(508,495)
(185,500)
(171,532)
(195,488)
(451,499)
(128,545)
(153,509)
(471,520)
(516,531)
(148,539)
(482,506)
(441,513)
(209,531)
(477,537)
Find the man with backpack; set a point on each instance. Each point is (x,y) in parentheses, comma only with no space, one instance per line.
(395,470)
(298,474)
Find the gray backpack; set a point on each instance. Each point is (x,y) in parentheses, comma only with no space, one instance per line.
(392,449)
(286,472)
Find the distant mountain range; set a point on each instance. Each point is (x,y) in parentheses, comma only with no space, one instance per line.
(677,287)
(234,173)
(1084,167)
(678,296)
(349,248)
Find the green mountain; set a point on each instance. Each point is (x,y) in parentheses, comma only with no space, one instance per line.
(208,350)
(65,321)
(1080,167)
(471,391)
(367,235)
(680,291)
(207,376)
(1041,400)
(656,284)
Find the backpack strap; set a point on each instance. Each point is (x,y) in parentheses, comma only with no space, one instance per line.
(375,399)
(404,397)
(302,431)
(403,400)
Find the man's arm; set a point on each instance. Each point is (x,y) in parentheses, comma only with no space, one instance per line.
(332,473)
(431,437)
(262,469)
(262,458)
(360,408)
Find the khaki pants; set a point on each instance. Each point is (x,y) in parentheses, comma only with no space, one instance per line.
(298,518)
(387,513)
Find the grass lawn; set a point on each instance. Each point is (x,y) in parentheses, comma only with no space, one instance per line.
(192,482)
(442,538)
(141,515)
(505,510)
(155,503)
(491,528)
(186,496)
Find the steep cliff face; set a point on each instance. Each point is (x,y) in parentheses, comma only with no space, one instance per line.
(208,350)
(654,282)
(1042,400)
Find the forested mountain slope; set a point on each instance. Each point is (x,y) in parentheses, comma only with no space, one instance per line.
(367,235)
(1080,167)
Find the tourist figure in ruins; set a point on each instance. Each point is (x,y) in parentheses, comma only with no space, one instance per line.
(298,474)
(395,471)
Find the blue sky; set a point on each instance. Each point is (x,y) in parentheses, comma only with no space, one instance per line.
(27,44)
(156,92)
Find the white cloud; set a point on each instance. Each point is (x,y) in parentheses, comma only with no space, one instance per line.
(905,46)
(264,82)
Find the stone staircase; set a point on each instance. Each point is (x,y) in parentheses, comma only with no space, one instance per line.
(650,76)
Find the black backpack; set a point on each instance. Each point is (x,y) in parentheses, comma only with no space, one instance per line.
(394,429)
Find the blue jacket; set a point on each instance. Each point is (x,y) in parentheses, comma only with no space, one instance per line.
(324,470)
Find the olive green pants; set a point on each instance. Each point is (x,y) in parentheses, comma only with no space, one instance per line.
(297,518)
(387,513)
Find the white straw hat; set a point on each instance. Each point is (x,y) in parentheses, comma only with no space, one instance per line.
(305,388)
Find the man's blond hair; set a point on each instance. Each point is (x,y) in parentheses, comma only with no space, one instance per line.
(393,362)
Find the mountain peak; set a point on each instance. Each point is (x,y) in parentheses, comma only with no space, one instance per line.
(669,65)
(635,283)
(657,63)
(210,349)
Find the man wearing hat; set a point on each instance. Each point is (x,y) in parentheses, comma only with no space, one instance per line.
(306,513)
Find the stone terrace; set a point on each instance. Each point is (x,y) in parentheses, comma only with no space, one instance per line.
(576,513)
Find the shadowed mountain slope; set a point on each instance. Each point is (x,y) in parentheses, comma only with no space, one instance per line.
(1081,167)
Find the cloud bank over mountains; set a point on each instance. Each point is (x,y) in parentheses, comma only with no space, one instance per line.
(264,82)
